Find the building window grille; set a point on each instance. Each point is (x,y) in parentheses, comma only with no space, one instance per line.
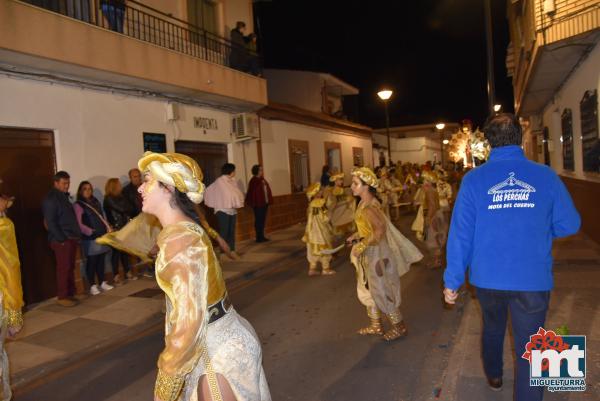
(590,144)
(567,140)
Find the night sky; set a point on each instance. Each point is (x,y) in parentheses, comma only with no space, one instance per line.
(430,52)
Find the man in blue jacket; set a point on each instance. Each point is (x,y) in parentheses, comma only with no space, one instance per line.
(506,215)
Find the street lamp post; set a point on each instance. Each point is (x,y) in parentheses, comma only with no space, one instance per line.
(440,127)
(385,95)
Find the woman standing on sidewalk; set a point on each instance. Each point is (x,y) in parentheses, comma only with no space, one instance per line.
(119,211)
(381,254)
(93,225)
(211,353)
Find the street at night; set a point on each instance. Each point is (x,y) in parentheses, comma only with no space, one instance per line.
(271,200)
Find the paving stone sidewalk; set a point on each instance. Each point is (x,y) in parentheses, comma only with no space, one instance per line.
(575,302)
(55,338)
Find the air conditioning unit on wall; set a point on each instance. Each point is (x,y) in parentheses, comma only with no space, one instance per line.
(244,126)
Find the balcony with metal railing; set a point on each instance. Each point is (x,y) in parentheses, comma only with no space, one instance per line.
(548,39)
(129,43)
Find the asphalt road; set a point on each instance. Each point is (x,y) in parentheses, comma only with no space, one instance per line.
(307,326)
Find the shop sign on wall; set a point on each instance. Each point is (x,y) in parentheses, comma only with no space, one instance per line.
(155,142)
(206,123)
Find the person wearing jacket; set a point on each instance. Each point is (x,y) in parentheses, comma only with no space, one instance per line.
(92,224)
(259,197)
(118,211)
(63,236)
(130,191)
(505,217)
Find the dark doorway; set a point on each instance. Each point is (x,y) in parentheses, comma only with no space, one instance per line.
(27,164)
(210,157)
(546,147)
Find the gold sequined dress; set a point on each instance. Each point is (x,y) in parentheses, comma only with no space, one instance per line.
(11,296)
(384,256)
(189,273)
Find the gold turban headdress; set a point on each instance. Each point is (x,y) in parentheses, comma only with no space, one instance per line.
(335,177)
(367,176)
(177,170)
(313,189)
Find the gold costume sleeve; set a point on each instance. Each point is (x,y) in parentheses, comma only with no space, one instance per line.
(202,218)
(138,236)
(181,267)
(10,274)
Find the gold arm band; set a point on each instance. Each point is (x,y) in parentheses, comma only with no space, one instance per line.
(212,233)
(14,318)
(361,246)
(167,388)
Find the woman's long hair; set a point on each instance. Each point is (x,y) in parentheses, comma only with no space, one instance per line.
(110,189)
(92,201)
(80,190)
(179,200)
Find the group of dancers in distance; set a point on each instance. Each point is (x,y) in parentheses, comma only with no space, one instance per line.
(211,352)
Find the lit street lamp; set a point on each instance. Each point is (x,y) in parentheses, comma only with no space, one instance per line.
(385,95)
(497,108)
(440,127)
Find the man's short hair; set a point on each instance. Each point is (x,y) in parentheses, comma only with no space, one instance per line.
(240,24)
(227,168)
(503,130)
(255,169)
(132,170)
(61,175)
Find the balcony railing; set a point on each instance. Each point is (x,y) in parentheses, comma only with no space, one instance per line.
(153,26)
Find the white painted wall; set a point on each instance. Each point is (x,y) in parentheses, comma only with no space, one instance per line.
(238,10)
(98,135)
(586,77)
(275,136)
(412,150)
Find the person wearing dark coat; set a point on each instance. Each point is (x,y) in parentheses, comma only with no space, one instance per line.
(118,212)
(93,224)
(238,58)
(130,191)
(63,235)
(259,197)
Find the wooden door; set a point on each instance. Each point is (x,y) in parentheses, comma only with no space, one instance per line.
(27,164)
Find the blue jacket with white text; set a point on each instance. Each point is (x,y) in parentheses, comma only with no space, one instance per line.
(505,217)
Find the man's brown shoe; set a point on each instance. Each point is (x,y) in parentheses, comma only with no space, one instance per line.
(495,384)
(66,302)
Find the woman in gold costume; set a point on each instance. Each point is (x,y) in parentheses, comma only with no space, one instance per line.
(431,225)
(318,234)
(380,254)
(11,292)
(211,353)
(341,206)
